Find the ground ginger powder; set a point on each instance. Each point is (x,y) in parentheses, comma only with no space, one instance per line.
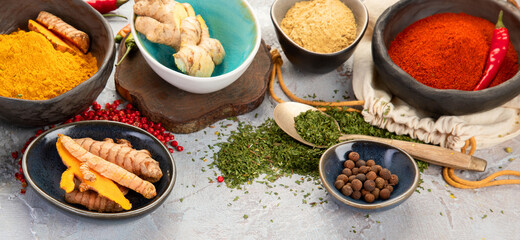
(323,26)
(30,67)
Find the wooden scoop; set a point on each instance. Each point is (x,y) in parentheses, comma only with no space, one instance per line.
(285,113)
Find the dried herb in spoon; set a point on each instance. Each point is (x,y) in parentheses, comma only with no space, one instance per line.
(317,128)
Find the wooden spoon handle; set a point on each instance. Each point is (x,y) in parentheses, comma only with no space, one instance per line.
(430,153)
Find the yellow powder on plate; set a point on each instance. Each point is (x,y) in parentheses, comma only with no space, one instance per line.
(30,67)
(323,26)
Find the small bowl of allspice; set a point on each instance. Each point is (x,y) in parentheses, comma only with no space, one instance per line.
(319,35)
(368,175)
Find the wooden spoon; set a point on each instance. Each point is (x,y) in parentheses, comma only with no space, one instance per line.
(285,113)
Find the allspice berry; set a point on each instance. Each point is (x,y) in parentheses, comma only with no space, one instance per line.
(393,180)
(342,177)
(347,171)
(361,177)
(375,192)
(354,156)
(363,169)
(369,198)
(346,190)
(339,184)
(369,185)
(355,171)
(360,163)
(385,173)
(380,183)
(356,195)
(351,177)
(370,163)
(384,194)
(376,168)
(349,164)
(356,185)
(390,188)
(371,175)
(364,192)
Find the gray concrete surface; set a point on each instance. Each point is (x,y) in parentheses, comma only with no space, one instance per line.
(197,209)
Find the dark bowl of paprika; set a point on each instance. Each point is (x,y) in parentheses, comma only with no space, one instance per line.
(441,93)
(14,15)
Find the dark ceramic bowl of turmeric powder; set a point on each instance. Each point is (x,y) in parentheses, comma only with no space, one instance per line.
(445,86)
(69,99)
(306,38)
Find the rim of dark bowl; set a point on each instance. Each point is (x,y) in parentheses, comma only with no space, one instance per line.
(106,61)
(348,48)
(92,214)
(369,206)
(379,47)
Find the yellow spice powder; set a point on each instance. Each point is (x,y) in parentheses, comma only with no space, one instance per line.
(323,26)
(30,67)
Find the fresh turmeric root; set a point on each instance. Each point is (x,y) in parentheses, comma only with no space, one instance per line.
(92,201)
(64,30)
(103,186)
(57,42)
(138,162)
(175,24)
(107,169)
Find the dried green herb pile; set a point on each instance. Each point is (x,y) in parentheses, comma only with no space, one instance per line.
(317,128)
(266,149)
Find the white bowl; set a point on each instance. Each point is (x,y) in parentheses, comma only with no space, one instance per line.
(233,23)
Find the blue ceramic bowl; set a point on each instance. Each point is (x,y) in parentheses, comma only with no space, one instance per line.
(233,23)
(42,166)
(392,158)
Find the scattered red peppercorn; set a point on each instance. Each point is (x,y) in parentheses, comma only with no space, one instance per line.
(15,155)
(220,179)
(174,143)
(180,148)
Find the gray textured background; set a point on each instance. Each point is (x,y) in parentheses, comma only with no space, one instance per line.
(209,211)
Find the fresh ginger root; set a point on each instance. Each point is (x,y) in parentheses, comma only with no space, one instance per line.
(106,168)
(103,186)
(64,30)
(138,162)
(175,24)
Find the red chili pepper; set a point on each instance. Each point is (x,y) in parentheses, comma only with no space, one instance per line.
(105,6)
(497,53)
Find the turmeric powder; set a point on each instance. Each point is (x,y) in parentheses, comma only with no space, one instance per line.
(30,67)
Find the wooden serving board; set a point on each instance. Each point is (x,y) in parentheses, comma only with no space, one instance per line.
(183,112)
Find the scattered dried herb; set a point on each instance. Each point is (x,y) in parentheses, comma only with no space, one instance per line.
(251,151)
(317,128)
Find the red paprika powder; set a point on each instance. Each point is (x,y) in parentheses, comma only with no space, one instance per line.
(449,51)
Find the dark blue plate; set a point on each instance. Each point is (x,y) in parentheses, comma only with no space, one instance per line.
(394,159)
(42,166)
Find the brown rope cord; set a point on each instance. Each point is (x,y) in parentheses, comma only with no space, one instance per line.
(277,71)
(452,179)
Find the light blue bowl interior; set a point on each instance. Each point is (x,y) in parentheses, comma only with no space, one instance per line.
(229,21)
